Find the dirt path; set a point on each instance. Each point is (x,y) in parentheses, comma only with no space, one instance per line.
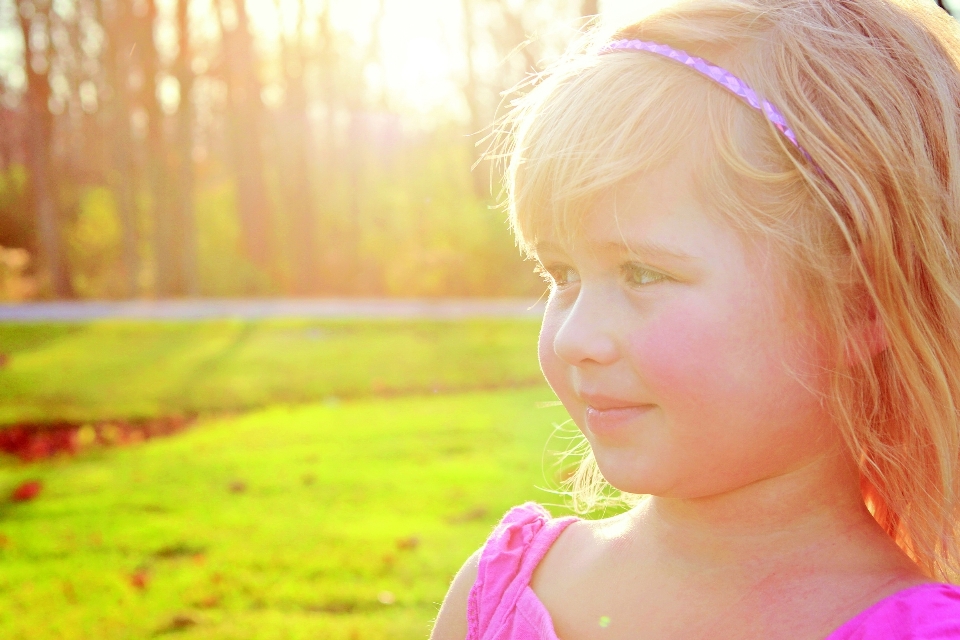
(449,309)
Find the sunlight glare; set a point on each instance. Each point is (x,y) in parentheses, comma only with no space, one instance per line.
(420,40)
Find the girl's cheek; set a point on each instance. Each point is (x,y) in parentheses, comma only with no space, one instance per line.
(684,352)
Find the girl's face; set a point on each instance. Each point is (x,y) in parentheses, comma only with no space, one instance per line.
(676,348)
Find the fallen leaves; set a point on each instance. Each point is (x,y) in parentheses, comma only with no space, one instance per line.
(179,550)
(140,579)
(179,622)
(26,491)
(408,544)
(36,441)
(208,602)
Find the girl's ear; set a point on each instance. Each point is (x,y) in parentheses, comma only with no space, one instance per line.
(869,337)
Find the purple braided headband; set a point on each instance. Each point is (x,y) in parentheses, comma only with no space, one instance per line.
(721,76)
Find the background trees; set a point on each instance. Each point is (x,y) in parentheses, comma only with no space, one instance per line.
(244,147)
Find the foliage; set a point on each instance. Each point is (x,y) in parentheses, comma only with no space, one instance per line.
(94,245)
(285,523)
(224,270)
(15,224)
(15,283)
(124,369)
(184,147)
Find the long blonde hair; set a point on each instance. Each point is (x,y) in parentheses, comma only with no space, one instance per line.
(869,224)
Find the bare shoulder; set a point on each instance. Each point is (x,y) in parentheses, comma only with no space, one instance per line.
(452,620)
(576,556)
(581,542)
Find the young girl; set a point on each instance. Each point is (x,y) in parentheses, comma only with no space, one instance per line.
(749,215)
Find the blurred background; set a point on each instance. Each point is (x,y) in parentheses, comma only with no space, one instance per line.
(163,148)
(268,353)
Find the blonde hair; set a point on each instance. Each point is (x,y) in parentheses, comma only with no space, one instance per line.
(869,227)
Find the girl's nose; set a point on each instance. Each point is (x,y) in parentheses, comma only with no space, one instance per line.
(586,334)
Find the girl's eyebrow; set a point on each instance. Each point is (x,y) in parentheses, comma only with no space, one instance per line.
(649,249)
(641,249)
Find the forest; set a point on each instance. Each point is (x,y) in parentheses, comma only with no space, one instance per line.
(170,148)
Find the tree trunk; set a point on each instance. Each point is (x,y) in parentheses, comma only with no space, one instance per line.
(480,169)
(185,170)
(245,129)
(166,223)
(296,136)
(123,170)
(42,183)
(329,167)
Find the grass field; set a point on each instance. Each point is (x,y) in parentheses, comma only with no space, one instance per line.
(337,519)
(144,369)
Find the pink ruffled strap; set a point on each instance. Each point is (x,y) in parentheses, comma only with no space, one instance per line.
(925,612)
(507,562)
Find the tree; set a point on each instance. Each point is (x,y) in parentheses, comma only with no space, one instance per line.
(117,20)
(479,118)
(296,136)
(35,18)
(167,227)
(185,179)
(245,124)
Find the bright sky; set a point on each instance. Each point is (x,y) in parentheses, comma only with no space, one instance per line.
(421,39)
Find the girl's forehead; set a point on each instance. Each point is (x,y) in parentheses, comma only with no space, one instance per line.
(659,206)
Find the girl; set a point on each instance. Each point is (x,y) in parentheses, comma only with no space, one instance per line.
(748,212)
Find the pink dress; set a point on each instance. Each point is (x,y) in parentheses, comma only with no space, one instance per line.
(502,606)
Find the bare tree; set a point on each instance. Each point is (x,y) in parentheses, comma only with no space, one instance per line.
(34,16)
(296,136)
(185,178)
(479,118)
(118,44)
(161,178)
(245,124)
(357,140)
(508,31)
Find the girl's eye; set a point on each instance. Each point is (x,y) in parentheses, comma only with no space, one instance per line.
(559,276)
(637,275)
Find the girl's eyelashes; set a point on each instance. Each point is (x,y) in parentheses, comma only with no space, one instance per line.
(637,275)
(634,274)
(559,276)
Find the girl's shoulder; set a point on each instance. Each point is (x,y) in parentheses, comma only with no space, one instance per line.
(925,612)
(507,562)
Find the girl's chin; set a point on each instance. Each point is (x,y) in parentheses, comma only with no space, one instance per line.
(630,473)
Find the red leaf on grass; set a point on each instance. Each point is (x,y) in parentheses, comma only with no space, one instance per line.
(26,491)
(139,579)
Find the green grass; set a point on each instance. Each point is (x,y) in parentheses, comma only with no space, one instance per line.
(358,438)
(332,491)
(127,369)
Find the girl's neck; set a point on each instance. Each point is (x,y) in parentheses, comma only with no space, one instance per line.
(808,510)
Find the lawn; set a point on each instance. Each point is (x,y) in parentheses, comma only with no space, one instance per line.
(320,521)
(106,370)
(344,517)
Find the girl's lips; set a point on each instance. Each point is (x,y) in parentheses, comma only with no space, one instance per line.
(603,422)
